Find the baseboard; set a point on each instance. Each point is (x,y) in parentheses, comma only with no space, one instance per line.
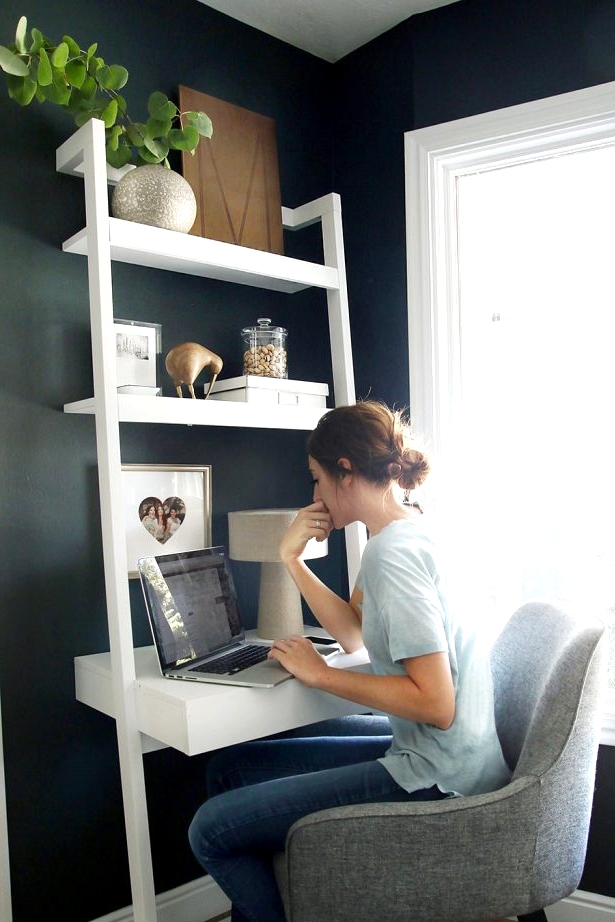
(202,899)
(196,901)
(582,906)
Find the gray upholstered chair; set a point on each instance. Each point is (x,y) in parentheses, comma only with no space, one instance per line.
(512,852)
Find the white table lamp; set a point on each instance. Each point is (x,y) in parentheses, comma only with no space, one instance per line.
(255,535)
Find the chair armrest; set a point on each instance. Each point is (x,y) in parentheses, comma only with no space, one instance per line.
(459,858)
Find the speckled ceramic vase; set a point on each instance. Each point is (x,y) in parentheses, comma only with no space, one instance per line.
(154,195)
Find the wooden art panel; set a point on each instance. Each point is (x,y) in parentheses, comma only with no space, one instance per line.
(235,175)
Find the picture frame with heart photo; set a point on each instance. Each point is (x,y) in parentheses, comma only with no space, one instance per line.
(167,510)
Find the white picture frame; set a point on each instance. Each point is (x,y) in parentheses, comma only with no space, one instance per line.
(137,349)
(183,492)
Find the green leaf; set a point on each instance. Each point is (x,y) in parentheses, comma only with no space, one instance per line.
(88,88)
(84,102)
(160,107)
(201,122)
(112,77)
(12,63)
(57,91)
(102,75)
(60,56)
(82,117)
(135,133)
(118,158)
(20,35)
(156,128)
(44,75)
(74,104)
(156,101)
(73,47)
(76,73)
(120,76)
(109,114)
(184,138)
(62,87)
(53,93)
(113,137)
(38,41)
(94,64)
(91,50)
(154,149)
(89,105)
(21,89)
(121,104)
(146,157)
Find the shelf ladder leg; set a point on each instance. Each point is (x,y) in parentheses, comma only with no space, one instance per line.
(114,540)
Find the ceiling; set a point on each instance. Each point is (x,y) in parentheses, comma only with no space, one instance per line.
(329,29)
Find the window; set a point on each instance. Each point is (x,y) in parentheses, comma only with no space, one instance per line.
(511,331)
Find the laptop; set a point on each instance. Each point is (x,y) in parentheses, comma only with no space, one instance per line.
(196,626)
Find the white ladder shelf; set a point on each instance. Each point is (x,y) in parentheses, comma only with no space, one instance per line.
(104,240)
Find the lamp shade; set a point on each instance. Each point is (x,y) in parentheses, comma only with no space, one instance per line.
(255,535)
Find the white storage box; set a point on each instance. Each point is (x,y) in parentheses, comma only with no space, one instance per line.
(260,389)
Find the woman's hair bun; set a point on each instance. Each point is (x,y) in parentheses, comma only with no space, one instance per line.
(414,469)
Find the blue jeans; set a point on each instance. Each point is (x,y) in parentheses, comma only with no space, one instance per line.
(257,790)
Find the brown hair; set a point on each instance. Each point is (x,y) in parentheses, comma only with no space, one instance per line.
(376,440)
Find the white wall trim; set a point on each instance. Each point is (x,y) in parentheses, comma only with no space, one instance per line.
(202,899)
(607,737)
(582,906)
(196,901)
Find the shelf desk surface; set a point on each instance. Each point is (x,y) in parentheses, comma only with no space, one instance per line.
(196,717)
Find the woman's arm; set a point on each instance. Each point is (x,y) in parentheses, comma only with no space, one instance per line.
(424,695)
(337,617)
(340,618)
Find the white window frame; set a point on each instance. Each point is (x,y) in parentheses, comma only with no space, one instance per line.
(434,158)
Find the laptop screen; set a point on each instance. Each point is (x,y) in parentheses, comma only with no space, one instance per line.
(191,604)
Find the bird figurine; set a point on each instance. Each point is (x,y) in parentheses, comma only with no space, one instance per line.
(185,362)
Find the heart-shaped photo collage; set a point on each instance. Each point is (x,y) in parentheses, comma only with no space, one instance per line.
(162,518)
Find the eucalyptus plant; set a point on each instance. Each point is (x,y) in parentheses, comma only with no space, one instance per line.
(81,82)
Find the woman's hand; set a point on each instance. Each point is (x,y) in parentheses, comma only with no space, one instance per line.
(312,521)
(424,694)
(298,656)
(338,617)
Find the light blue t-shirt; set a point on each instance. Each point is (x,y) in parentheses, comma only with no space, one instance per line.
(406,614)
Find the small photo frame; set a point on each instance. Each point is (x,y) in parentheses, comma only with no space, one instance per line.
(167,510)
(137,347)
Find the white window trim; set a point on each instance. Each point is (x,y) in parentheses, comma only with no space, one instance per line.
(435,157)
(607,737)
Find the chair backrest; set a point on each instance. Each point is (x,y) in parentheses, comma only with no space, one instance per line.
(541,670)
(548,670)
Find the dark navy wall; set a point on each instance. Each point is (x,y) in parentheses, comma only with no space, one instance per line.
(64,803)
(67,842)
(472,56)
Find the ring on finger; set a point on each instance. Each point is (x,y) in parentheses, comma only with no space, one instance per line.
(317,523)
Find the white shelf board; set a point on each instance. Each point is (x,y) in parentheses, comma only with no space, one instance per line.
(189,412)
(156,248)
(187,715)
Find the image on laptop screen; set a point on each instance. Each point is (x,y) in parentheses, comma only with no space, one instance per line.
(193,604)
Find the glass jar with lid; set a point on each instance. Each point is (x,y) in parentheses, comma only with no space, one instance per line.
(265,350)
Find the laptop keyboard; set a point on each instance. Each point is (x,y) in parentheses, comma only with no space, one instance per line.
(234,662)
